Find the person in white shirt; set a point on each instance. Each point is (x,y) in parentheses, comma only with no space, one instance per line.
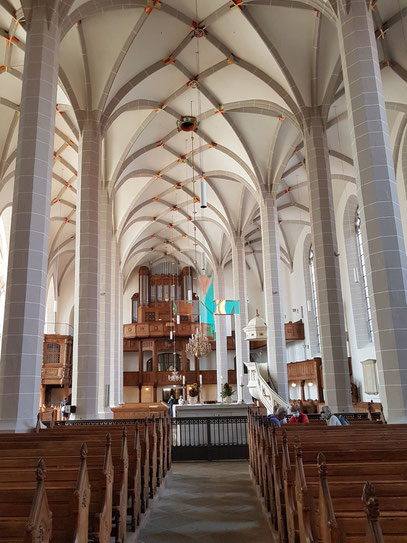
(329,418)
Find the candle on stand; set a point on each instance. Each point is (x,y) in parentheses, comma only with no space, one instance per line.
(183,380)
(200,379)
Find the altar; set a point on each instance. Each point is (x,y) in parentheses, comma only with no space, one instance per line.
(211,410)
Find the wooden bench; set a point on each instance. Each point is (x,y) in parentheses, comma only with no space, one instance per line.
(291,487)
(63,463)
(25,516)
(140,475)
(68,442)
(68,493)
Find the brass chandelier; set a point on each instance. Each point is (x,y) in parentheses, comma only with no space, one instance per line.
(198,344)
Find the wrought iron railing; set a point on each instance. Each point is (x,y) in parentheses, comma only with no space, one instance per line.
(209,431)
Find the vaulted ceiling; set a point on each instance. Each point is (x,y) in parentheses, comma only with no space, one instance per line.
(246,69)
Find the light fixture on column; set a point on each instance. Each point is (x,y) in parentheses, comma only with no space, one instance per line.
(204,203)
(189,123)
(175,376)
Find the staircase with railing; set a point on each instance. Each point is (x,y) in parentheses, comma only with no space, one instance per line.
(260,389)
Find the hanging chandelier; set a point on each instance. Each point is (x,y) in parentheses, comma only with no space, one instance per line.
(198,344)
(175,376)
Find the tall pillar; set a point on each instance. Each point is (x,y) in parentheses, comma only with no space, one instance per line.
(220,330)
(240,293)
(155,369)
(120,332)
(114,331)
(105,306)
(85,380)
(23,332)
(382,234)
(327,278)
(276,349)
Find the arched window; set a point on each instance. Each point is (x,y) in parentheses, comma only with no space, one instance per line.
(314,294)
(166,362)
(358,232)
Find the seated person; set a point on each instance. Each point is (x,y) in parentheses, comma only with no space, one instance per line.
(297,416)
(277,417)
(329,418)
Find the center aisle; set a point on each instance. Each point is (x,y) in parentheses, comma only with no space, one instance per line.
(211,502)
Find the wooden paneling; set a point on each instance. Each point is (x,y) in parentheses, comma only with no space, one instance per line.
(294,331)
(208,377)
(307,370)
(129,330)
(157,329)
(148,378)
(130,345)
(232,377)
(131,378)
(143,330)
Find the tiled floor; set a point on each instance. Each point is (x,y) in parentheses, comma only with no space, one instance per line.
(209,502)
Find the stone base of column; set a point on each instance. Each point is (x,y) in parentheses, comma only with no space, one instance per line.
(86,416)
(395,418)
(106,413)
(17,426)
(246,396)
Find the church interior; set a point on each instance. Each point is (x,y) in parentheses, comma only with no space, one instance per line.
(203,273)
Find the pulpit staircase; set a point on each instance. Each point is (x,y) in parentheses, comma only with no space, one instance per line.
(260,389)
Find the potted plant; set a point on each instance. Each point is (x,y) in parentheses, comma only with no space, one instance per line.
(193,393)
(227,392)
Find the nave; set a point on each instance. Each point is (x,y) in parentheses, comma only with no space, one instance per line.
(207,501)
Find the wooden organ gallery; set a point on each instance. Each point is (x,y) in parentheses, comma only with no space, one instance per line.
(165,313)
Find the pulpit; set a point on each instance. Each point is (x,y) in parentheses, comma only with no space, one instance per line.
(57,360)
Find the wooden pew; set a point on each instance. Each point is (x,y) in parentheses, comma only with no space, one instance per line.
(62,459)
(139,458)
(138,455)
(25,516)
(297,498)
(336,443)
(66,436)
(68,493)
(341,517)
(69,442)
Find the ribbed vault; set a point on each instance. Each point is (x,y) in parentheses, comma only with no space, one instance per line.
(260,64)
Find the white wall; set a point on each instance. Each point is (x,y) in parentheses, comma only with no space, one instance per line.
(66,296)
(130,361)
(342,195)
(130,288)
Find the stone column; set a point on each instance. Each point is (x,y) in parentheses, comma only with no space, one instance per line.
(115,328)
(220,330)
(327,278)
(383,243)
(105,306)
(86,368)
(140,363)
(276,349)
(23,332)
(240,293)
(120,332)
